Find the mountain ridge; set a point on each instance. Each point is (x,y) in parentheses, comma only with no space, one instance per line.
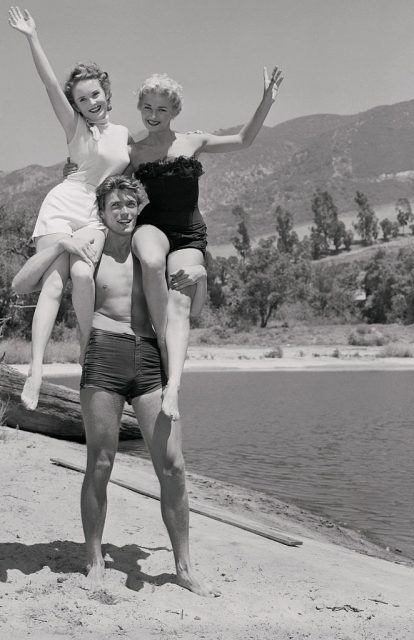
(370,151)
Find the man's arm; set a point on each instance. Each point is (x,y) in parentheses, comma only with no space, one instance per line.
(29,278)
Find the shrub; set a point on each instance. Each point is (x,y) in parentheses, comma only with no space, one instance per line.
(277,352)
(396,350)
(364,336)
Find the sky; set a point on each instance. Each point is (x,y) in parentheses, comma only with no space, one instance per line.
(337,57)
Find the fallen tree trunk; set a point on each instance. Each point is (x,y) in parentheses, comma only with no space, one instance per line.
(58,413)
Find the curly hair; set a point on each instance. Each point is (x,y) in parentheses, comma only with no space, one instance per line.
(87,71)
(115,183)
(164,85)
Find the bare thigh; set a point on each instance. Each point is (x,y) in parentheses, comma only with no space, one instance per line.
(60,267)
(101,412)
(162,436)
(149,242)
(179,259)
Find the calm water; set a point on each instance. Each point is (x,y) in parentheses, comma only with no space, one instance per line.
(337,443)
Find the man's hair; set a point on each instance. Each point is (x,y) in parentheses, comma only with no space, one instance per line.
(87,71)
(115,183)
(163,85)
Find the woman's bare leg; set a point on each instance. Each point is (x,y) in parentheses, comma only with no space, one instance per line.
(151,246)
(54,281)
(83,285)
(178,328)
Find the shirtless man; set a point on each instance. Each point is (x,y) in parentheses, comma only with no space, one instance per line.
(122,362)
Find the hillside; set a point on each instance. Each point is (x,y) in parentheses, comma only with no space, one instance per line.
(371,151)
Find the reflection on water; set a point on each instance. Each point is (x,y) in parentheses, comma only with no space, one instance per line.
(337,443)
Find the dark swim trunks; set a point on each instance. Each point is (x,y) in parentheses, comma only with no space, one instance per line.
(125,364)
(172,190)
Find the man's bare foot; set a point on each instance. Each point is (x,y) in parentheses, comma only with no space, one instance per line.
(95,574)
(187,580)
(169,404)
(31,390)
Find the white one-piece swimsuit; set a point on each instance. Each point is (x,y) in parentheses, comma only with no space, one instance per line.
(72,205)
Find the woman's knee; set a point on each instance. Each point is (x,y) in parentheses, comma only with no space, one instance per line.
(152,263)
(81,274)
(53,286)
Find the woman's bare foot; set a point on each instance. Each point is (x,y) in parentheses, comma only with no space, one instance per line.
(169,404)
(187,580)
(31,390)
(95,574)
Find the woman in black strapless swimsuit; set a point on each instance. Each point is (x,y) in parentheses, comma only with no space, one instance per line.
(171,231)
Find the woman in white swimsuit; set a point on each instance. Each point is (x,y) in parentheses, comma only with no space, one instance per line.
(100,149)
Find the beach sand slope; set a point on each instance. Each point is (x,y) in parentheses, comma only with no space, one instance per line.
(320,590)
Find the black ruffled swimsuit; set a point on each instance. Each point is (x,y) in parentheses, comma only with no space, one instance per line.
(172,190)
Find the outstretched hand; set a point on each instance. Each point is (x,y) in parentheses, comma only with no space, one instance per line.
(271,86)
(21,21)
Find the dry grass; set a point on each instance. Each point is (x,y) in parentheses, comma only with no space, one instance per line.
(18,351)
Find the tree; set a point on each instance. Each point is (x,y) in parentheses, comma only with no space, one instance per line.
(404,212)
(261,281)
(395,229)
(386,226)
(241,242)
(348,238)
(367,224)
(325,217)
(287,237)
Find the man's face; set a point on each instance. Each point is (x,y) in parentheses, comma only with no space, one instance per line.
(121,211)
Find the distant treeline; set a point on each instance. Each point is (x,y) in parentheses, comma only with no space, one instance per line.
(278,277)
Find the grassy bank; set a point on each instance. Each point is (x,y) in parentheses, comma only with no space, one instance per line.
(392,340)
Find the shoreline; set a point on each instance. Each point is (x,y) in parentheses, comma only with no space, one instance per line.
(295,358)
(268,590)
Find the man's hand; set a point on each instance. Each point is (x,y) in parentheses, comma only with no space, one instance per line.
(82,248)
(69,168)
(187,276)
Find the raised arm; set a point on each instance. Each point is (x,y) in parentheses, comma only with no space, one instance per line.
(218,144)
(23,22)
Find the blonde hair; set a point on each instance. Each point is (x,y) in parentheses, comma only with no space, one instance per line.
(164,85)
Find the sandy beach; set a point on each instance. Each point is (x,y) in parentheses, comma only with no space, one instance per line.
(333,586)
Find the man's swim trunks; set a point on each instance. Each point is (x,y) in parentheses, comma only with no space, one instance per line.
(125,364)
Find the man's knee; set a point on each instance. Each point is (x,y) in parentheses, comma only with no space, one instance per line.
(102,461)
(174,468)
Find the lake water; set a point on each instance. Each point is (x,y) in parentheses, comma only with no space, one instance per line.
(340,444)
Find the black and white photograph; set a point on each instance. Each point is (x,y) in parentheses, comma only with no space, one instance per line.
(207,320)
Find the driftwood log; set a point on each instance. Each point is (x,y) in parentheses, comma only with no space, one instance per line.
(58,413)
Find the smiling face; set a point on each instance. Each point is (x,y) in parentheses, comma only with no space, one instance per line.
(120,211)
(156,111)
(90,99)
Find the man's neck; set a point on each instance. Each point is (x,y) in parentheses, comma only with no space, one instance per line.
(117,246)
